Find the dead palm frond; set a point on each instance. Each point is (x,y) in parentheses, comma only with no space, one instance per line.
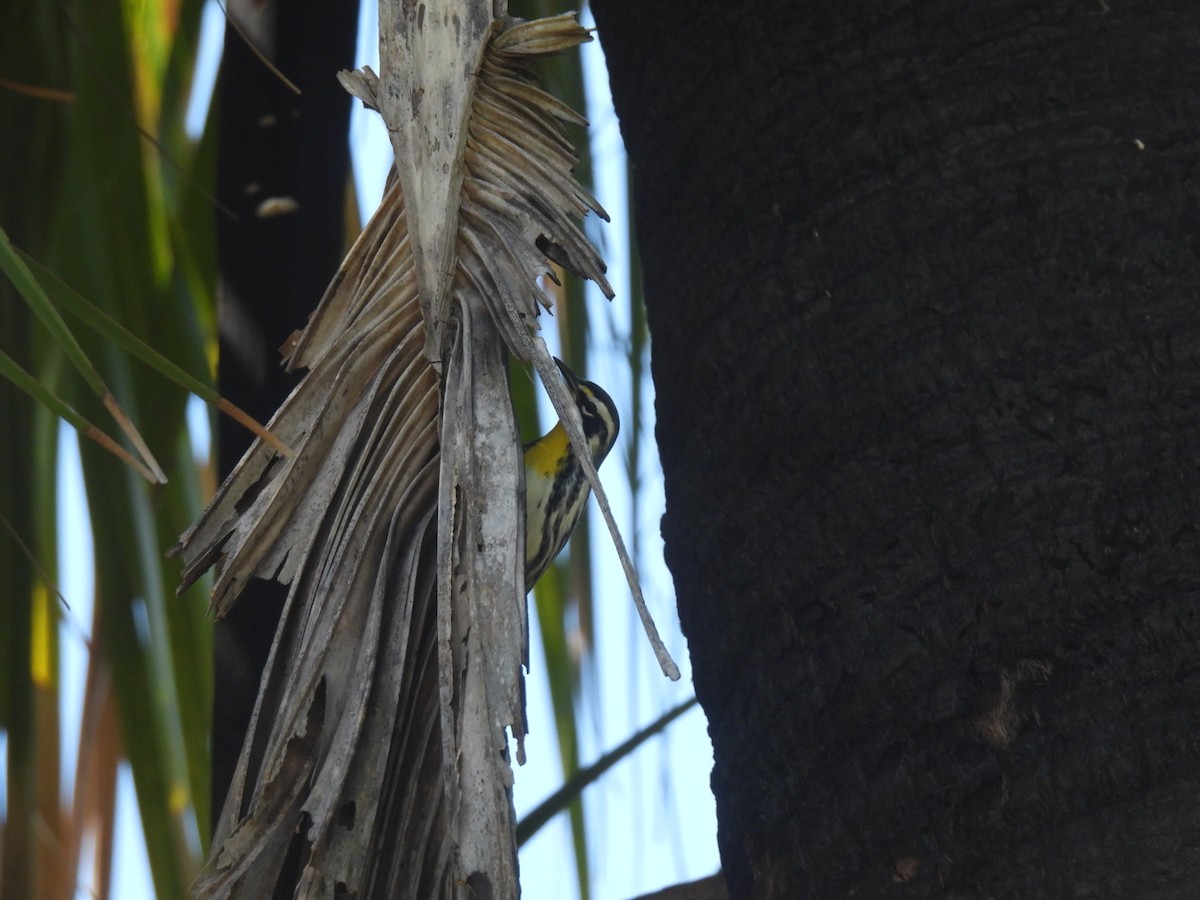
(377,757)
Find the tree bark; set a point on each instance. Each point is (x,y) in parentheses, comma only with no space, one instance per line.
(921,281)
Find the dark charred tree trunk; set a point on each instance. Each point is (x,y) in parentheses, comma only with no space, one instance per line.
(283,166)
(924,289)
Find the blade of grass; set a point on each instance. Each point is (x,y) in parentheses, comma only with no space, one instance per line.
(94,802)
(550,602)
(39,303)
(111,236)
(94,317)
(34,563)
(30,385)
(135,645)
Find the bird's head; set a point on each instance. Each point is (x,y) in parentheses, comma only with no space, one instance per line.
(600,420)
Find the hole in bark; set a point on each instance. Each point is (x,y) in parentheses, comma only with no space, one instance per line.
(481,885)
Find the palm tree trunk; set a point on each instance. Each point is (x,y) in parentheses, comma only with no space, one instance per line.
(922,288)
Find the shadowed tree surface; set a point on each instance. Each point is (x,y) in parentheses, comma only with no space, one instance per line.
(922,285)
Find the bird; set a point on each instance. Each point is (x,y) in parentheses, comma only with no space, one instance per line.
(556,488)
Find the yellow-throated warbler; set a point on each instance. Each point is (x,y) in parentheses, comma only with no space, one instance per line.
(556,490)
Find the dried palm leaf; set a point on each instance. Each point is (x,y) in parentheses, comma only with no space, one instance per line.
(346,522)
(377,754)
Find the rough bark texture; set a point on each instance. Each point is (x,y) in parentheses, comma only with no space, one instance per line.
(274,268)
(922,287)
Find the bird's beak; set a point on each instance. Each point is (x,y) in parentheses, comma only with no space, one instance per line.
(572,379)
